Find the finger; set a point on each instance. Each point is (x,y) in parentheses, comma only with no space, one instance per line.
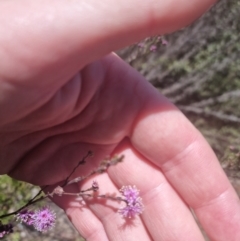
(84,220)
(46,43)
(54,39)
(190,166)
(165,215)
(116,227)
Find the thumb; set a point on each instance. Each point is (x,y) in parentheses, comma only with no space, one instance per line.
(39,37)
(43,44)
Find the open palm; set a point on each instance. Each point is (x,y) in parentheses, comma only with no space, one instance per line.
(59,98)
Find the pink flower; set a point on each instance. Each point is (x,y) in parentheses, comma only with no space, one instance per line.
(164,42)
(132,209)
(44,219)
(25,216)
(5,229)
(131,193)
(141,44)
(134,202)
(153,48)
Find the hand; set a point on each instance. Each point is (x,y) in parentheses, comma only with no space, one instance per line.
(60,98)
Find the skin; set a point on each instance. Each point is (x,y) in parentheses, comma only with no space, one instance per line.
(62,94)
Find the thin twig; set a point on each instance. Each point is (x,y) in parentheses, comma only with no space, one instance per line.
(31,202)
(219,115)
(102,168)
(83,161)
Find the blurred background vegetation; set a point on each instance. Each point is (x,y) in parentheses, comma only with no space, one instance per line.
(199,71)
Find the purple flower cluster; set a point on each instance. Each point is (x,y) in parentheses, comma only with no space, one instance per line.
(153,48)
(5,229)
(134,202)
(42,219)
(25,216)
(152,43)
